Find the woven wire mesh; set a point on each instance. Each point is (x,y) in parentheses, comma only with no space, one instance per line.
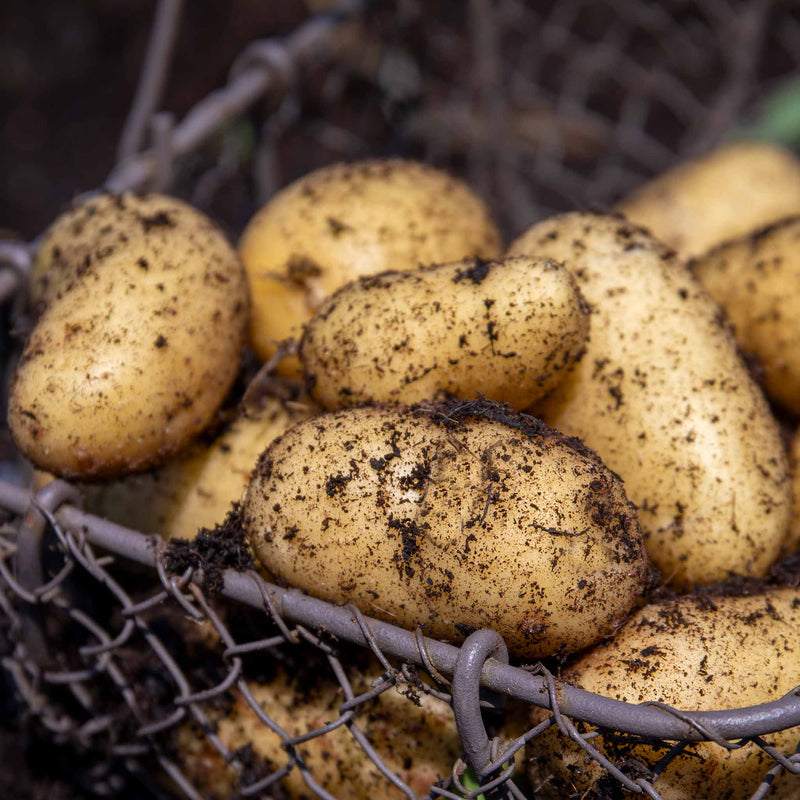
(133,667)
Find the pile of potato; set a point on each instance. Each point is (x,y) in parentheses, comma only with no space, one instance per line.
(529,440)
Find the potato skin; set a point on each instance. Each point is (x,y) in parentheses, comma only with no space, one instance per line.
(695,653)
(665,400)
(725,194)
(196,489)
(139,339)
(756,279)
(509,330)
(419,743)
(452,517)
(347,220)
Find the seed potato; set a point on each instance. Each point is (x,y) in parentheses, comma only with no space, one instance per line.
(694,653)
(720,196)
(507,329)
(756,279)
(196,489)
(138,341)
(348,220)
(419,743)
(452,517)
(665,400)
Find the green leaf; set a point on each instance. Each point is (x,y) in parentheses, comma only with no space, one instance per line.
(777,118)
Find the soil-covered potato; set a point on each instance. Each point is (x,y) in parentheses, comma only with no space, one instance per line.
(720,196)
(453,517)
(196,489)
(793,539)
(509,330)
(756,279)
(695,654)
(417,741)
(144,315)
(347,220)
(664,398)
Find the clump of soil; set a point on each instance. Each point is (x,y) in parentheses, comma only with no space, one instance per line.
(212,551)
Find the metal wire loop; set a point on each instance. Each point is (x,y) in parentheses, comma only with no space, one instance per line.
(477,648)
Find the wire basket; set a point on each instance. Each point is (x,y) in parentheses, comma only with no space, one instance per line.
(130,665)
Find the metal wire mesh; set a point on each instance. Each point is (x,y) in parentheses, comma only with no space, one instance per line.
(133,667)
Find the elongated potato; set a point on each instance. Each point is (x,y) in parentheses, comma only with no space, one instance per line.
(665,400)
(453,517)
(507,329)
(419,743)
(139,340)
(756,279)
(722,195)
(196,489)
(348,220)
(695,654)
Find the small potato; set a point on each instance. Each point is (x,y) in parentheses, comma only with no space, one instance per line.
(756,279)
(418,743)
(196,489)
(665,400)
(349,220)
(508,329)
(453,517)
(695,654)
(722,195)
(145,310)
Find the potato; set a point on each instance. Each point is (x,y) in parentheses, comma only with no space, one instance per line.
(145,314)
(696,654)
(665,400)
(507,329)
(793,539)
(756,279)
(419,743)
(452,517)
(348,220)
(722,195)
(196,489)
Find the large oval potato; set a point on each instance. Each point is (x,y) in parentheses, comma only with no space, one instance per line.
(452,517)
(722,195)
(793,539)
(417,742)
(347,220)
(139,339)
(665,400)
(196,489)
(756,279)
(508,329)
(695,654)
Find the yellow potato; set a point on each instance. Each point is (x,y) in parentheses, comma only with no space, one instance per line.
(793,539)
(756,279)
(196,489)
(418,743)
(349,220)
(722,195)
(453,517)
(508,329)
(139,339)
(665,400)
(695,654)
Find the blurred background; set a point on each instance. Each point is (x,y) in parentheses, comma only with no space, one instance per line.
(541,105)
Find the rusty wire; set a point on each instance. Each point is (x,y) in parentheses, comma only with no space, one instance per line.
(72,665)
